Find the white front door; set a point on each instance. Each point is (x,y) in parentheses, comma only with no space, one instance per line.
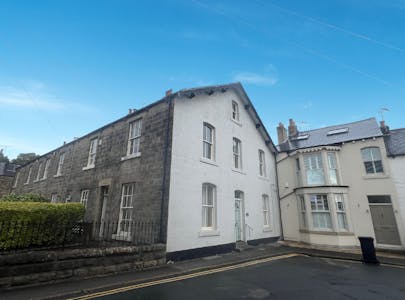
(239,217)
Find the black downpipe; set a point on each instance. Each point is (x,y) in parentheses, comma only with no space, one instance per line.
(165,159)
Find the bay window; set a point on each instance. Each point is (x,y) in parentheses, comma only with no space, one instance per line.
(314,168)
(321,218)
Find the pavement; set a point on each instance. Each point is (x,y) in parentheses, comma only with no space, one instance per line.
(74,288)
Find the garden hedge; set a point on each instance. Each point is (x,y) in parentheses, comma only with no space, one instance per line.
(32,224)
(24,198)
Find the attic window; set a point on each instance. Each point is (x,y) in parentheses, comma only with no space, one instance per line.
(338,131)
(302,137)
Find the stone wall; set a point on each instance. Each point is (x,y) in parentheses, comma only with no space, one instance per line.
(5,185)
(111,168)
(38,267)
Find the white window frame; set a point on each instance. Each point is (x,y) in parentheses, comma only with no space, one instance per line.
(332,168)
(302,206)
(39,172)
(237,153)
(266,211)
(208,208)
(126,210)
(262,163)
(91,160)
(340,208)
(46,169)
(60,164)
(84,197)
(320,209)
(374,159)
(313,163)
(134,138)
(29,175)
(207,143)
(235,111)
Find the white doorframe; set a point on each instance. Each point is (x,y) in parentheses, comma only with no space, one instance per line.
(239,211)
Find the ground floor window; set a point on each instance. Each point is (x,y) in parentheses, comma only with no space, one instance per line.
(303,211)
(84,196)
(266,210)
(320,212)
(208,206)
(126,207)
(340,211)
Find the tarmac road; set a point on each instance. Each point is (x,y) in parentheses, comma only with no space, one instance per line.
(298,277)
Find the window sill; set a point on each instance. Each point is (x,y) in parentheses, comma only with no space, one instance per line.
(263,178)
(208,232)
(134,155)
(376,176)
(327,232)
(239,123)
(35,181)
(121,236)
(43,179)
(208,161)
(88,167)
(58,175)
(238,171)
(26,183)
(267,229)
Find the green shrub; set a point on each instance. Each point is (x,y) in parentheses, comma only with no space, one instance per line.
(27,224)
(24,198)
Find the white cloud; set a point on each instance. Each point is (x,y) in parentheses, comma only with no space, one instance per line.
(268,77)
(33,94)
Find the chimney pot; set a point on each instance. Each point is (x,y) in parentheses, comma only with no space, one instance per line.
(169,92)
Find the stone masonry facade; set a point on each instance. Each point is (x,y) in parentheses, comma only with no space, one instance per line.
(150,170)
(5,185)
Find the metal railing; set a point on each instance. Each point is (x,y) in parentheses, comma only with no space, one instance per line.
(28,235)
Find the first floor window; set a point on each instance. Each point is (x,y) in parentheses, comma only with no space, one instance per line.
(235,111)
(46,169)
(17,176)
(314,168)
(303,211)
(91,160)
(84,196)
(340,211)
(266,210)
(332,165)
(127,198)
(60,164)
(208,141)
(208,206)
(320,212)
(134,139)
(372,160)
(39,172)
(262,163)
(237,153)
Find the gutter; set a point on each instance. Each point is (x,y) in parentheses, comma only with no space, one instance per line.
(279,201)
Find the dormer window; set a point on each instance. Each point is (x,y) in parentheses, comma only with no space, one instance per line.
(235,111)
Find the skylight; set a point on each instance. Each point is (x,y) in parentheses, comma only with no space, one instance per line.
(338,131)
(302,137)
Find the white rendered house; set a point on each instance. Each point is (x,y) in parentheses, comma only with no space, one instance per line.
(223,186)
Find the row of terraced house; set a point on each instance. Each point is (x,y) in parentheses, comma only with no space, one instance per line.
(201,165)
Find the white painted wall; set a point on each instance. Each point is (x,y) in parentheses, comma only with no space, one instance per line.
(188,173)
(397,166)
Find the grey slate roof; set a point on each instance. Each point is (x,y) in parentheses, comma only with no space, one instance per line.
(319,137)
(395,142)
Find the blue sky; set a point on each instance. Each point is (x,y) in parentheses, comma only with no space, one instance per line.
(69,67)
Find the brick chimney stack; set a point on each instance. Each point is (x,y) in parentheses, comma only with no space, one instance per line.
(281,133)
(168,92)
(292,129)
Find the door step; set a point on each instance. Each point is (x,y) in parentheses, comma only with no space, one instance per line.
(242,246)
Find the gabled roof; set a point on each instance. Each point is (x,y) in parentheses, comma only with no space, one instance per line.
(333,135)
(395,142)
(190,93)
(240,91)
